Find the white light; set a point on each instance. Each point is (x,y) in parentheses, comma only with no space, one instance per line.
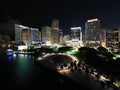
(23,27)
(92,20)
(22,47)
(75,28)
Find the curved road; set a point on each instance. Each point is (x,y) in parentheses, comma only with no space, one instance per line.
(55,61)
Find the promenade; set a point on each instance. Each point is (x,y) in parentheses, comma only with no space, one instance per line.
(62,64)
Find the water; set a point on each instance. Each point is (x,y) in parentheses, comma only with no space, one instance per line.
(18,72)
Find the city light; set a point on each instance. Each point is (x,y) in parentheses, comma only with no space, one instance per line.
(75,28)
(24,27)
(92,20)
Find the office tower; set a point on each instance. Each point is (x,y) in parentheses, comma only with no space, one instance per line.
(18,33)
(55,24)
(113,39)
(76,36)
(55,32)
(61,36)
(46,35)
(25,35)
(66,40)
(103,37)
(92,32)
(35,35)
(40,36)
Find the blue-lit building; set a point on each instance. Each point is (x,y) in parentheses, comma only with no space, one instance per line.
(46,35)
(35,35)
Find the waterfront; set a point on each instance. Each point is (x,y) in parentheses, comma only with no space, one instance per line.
(18,72)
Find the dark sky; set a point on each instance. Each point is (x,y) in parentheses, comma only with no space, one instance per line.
(69,12)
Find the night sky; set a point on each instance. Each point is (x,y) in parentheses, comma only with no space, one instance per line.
(69,12)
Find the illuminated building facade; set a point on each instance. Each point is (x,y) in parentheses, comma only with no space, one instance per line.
(25,35)
(76,36)
(46,35)
(103,37)
(18,33)
(40,36)
(61,36)
(113,39)
(35,35)
(55,39)
(66,39)
(92,33)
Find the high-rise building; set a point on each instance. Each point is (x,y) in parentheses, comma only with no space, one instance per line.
(35,35)
(61,36)
(76,36)
(46,35)
(55,24)
(66,40)
(113,39)
(18,33)
(55,32)
(92,32)
(103,37)
(25,35)
(40,36)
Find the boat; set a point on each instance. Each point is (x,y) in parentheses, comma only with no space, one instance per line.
(9,51)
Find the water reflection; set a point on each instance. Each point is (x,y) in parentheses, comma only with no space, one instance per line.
(18,68)
(10,58)
(23,66)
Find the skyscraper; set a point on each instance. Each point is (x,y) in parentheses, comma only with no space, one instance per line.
(46,35)
(35,35)
(55,32)
(113,39)
(25,35)
(18,33)
(76,36)
(55,24)
(92,32)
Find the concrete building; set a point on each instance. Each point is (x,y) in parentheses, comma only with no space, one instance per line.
(76,36)
(26,36)
(92,33)
(66,40)
(103,37)
(35,36)
(46,35)
(55,39)
(113,39)
(18,33)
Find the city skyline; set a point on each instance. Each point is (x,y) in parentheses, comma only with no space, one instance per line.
(72,13)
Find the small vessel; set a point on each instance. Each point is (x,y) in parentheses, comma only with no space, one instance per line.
(9,51)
